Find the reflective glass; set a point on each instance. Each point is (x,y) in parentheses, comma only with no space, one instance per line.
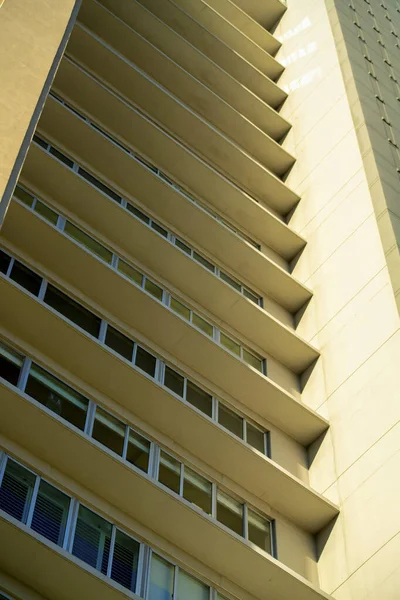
(229,344)
(253,360)
(4,262)
(86,240)
(197,489)
(24,196)
(259,530)
(203,261)
(109,431)
(130,272)
(26,278)
(16,490)
(230,420)
(125,560)
(50,513)
(153,289)
(119,342)
(138,451)
(145,361)
(161,579)
(189,588)
(92,539)
(169,472)
(180,308)
(199,398)
(174,381)
(230,512)
(202,324)
(57,396)
(74,311)
(255,437)
(10,364)
(47,213)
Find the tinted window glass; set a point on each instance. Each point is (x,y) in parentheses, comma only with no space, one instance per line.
(169,472)
(119,342)
(4,262)
(145,361)
(174,381)
(109,431)
(199,398)
(26,277)
(72,310)
(138,451)
(10,364)
(230,420)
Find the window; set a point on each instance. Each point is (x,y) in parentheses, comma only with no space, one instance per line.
(26,278)
(130,272)
(138,213)
(138,451)
(82,238)
(104,188)
(16,490)
(230,281)
(57,396)
(252,296)
(46,212)
(4,262)
(10,364)
(159,229)
(174,381)
(229,344)
(202,324)
(50,513)
(230,420)
(153,289)
(203,261)
(259,530)
(161,579)
(197,489)
(190,588)
(180,308)
(125,558)
(74,311)
(255,437)
(183,246)
(67,161)
(119,342)
(145,361)
(109,431)
(253,360)
(169,472)
(198,398)
(230,512)
(92,539)
(24,196)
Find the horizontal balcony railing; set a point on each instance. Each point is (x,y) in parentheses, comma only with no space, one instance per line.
(134,238)
(214,22)
(62,520)
(258,174)
(189,421)
(275,405)
(138,278)
(158,33)
(133,129)
(136,450)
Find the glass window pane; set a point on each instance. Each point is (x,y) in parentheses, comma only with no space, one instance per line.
(125,560)
(16,490)
(198,398)
(225,277)
(26,278)
(4,262)
(40,141)
(197,489)
(101,186)
(255,437)
(10,364)
(74,311)
(169,472)
(153,289)
(203,261)
(92,539)
(50,513)
(253,360)
(229,344)
(67,161)
(145,361)
(189,588)
(202,324)
(130,272)
(251,296)
(57,396)
(46,212)
(174,381)
(159,229)
(161,579)
(259,530)
(138,451)
(138,213)
(227,418)
(230,512)
(180,308)
(87,241)
(183,246)
(109,431)
(24,196)
(119,342)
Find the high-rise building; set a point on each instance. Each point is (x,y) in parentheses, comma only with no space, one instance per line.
(200,277)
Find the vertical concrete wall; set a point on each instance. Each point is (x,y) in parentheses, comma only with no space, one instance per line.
(33,34)
(347,189)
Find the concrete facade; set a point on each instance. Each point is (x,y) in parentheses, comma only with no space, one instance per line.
(202,251)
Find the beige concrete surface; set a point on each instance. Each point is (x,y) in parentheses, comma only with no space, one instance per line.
(346,175)
(31,35)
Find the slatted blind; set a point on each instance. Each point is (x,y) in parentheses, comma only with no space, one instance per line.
(50,513)
(125,560)
(16,490)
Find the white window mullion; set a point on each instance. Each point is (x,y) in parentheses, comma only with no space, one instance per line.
(61,221)
(111,553)
(102,331)
(24,373)
(143,569)
(3,464)
(90,417)
(126,442)
(245,532)
(42,290)
(181,479)
(71,525)
(32,502)
(10,266)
